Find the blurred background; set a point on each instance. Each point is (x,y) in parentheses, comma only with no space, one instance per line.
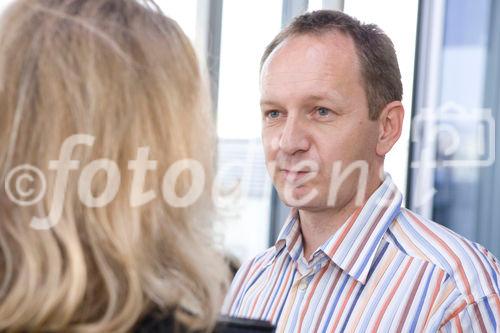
(444,163)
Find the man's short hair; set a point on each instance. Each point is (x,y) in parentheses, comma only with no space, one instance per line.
(379,65)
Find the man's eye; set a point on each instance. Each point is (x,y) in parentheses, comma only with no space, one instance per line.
(323,112)
(273,114)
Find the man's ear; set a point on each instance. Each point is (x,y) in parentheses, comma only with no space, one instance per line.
(390,123)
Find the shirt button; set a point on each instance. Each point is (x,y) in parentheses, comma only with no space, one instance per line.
(303,285)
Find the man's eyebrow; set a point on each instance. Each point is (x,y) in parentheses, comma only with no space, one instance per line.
(329,95)
(316,97)
(267,102)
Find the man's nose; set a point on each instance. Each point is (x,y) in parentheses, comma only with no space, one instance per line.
(294,137)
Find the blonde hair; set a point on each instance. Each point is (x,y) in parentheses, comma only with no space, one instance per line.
(121,71)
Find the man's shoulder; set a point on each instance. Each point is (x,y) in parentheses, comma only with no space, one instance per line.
(261,260)
(470,266)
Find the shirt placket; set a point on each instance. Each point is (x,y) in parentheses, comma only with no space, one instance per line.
(306,273)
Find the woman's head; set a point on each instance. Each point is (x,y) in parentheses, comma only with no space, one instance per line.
(124,74)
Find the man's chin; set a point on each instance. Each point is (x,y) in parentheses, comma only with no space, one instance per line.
(300,197)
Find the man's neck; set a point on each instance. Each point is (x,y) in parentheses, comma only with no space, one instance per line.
(318,226)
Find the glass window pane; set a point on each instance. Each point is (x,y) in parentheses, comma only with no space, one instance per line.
(247,28)
(184,12)
(4,4)
(463,77)
(314,5)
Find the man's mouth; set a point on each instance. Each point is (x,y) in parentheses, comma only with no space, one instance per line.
(294,176)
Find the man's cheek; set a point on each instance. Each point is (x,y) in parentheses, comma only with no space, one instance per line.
(270,141)
(271,166)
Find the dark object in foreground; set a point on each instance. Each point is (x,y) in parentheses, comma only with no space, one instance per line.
(225,324)
(242,325)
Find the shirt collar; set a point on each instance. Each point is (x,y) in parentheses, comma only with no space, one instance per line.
(290,236)
(354,245)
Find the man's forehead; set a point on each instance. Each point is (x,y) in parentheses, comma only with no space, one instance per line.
(297,77)
(311,57)
(315,85)
(271,96)
(328,48)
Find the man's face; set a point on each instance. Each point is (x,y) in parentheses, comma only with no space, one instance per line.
(315,114)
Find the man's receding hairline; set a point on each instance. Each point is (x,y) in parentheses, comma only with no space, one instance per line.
(317,34)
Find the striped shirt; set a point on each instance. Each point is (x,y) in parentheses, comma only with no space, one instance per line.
(385,270)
